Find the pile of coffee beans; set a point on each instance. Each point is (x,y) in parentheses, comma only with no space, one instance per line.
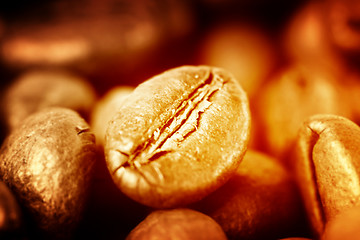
(168,119)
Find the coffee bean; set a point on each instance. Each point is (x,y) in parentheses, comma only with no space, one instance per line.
(259,202)
(294,94)
(327,166)
(244,50)
(179,136)
(105,108)
(37,89)
(47,162)
(178,224)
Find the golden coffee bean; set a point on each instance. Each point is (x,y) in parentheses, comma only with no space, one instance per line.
(38,89)
(180,224)
(47,161)
(342,18)
(306,39)
(179,136)
(259,202)
(105,108)
(293,95)
(326,159)
(244,50)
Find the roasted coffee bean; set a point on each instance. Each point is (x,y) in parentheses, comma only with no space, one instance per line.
(259,202)
(47,162)
(327,166)
(306,41)
(181,224)
(342,18)
(105,108)
(324,35)
(244,50)
(293,95)
(37,89)
(179,136)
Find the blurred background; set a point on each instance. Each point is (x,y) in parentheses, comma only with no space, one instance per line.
(125,42)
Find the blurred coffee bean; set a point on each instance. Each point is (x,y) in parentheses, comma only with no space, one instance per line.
(343,20)
(305,40)
(180,224)
(105,108)
(325,35)
(243,49)
(260,202)
(287,99)
(38,89)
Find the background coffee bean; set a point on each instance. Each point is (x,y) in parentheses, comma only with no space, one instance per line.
(294,94)
(178,224)
(38,89)
(244,206)
(104,110)
(244,50)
